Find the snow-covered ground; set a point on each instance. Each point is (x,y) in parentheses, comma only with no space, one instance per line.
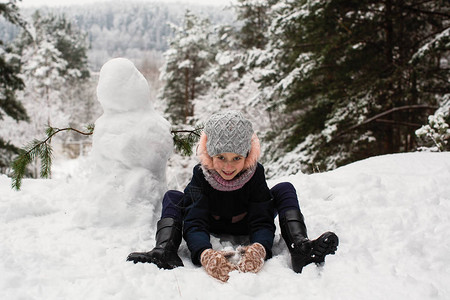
(391,213)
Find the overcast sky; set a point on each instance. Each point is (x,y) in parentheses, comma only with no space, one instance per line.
(27,3)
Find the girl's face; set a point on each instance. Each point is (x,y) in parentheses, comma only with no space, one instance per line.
(228,164)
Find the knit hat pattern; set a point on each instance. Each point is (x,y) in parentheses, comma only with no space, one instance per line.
(228,132)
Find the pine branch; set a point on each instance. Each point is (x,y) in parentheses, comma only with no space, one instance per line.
(41,149)
(185,139)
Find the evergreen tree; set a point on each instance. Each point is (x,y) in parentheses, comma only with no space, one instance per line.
(48,76)
(254,16)
(350,76)
(435,136)
(50,67)
(187,59)
(227,65)
(10,83)
(70,41)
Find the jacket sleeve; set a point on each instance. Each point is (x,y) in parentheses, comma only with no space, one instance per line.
(196,218)
(261,213)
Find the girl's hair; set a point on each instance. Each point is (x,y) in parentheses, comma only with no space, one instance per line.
(207,161)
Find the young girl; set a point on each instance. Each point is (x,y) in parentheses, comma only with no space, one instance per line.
(228,194)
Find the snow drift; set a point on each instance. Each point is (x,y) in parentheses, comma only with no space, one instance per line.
(391,213)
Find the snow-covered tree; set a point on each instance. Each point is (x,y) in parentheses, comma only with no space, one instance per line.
(350,78)
(189,56)
(53,62)
(255,22)
(230,81)
(435,136)
(10,83)
(42,68)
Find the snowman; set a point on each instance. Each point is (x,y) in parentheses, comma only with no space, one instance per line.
(131,144)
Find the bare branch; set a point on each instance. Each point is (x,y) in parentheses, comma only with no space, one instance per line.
(186,131)
(378,116)
(413,125)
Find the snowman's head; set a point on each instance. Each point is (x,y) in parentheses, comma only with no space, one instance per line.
(122,88)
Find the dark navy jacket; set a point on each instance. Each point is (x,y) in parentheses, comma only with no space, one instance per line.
(208,210)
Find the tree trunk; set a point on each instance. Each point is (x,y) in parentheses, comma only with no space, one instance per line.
(186,94)
(389,139)
(193,90)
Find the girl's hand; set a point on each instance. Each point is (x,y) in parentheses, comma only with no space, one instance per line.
(216,264)
(252,258)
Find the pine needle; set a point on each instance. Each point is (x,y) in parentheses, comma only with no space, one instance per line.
(184,140)
(45,154)
(38,149)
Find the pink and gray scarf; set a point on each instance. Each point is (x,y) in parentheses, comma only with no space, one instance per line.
(218,183)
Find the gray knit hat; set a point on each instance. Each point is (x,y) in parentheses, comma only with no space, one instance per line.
(228,132)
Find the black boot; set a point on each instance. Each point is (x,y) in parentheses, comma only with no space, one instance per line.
(293,230)
(304,251)
(165,254)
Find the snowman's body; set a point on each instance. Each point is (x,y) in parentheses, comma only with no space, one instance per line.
(131,142)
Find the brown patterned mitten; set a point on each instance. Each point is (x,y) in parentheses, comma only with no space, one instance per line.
(252,259)
(216,264)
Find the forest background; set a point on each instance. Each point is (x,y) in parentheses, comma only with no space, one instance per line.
(325,83)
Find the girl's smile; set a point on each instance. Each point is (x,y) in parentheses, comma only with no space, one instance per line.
(228,164)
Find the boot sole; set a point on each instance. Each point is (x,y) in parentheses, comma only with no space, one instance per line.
(298,262)
(326,244)
(144,258)
(139,257)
